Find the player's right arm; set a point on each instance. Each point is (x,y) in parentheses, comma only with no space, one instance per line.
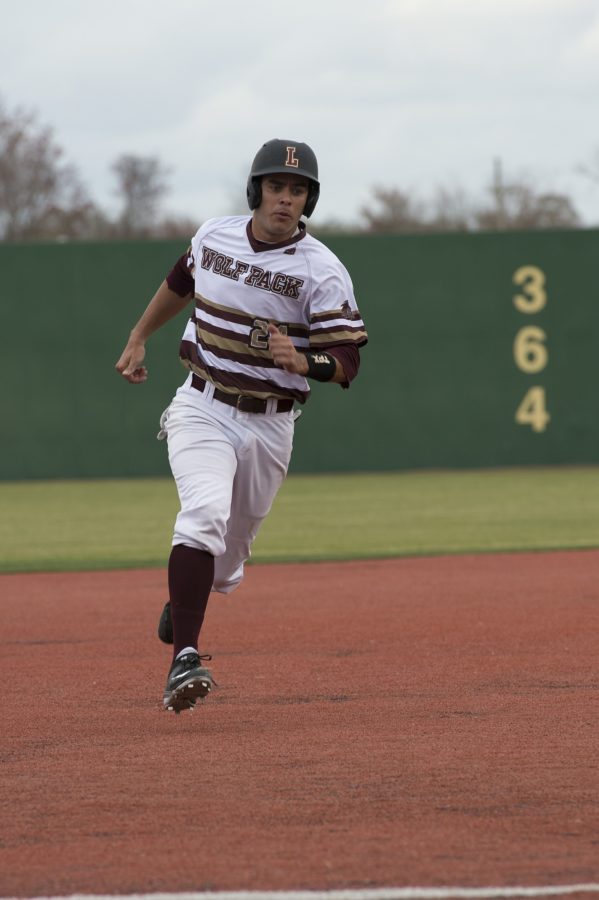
(164,305)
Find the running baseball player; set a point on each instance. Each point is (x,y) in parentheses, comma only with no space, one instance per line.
(274,309)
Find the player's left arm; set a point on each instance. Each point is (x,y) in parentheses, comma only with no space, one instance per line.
(322,365)
(337,331)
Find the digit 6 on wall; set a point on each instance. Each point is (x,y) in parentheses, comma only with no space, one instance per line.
(530,352)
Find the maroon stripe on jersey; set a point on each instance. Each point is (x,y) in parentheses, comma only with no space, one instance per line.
(189,351)
(243,359)
(326,317)
(227,314)
(293,330)
(245,385)
(242,384)
(343,312)
(336,329)
(238,337)
(203,327)
(297,331)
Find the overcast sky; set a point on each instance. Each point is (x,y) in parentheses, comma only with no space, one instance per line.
(400,93)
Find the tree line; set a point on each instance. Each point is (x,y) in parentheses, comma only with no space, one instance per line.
(43,198)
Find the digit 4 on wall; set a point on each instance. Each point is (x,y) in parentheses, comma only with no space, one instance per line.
(533,409)
(530,352)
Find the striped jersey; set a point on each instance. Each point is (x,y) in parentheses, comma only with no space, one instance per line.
(241,285)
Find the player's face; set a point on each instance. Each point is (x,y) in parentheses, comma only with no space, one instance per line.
(283,200)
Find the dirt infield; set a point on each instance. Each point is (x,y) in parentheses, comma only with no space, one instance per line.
(400,722)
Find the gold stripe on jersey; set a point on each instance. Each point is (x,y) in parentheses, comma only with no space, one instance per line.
(232,341)
(229,389)
(227,313)
(236,382)
(245,386)
(232,348)
(218,311)
(222,312)
(338,335)
(343,312)
(337,326)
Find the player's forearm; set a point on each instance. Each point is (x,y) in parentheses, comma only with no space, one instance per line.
(339,376)
(320,365)
(308,364)
(164,305)
(299,364)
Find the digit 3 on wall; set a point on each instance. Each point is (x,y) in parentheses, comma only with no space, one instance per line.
(530,350)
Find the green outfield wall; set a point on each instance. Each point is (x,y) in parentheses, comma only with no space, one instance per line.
(484,351)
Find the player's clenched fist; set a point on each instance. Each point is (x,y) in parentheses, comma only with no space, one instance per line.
(130,363)
(284,353)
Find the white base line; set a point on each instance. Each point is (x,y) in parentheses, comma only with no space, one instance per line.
(405,893)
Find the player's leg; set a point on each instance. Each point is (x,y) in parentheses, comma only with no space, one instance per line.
(203,463)
(261,469)
(264,446)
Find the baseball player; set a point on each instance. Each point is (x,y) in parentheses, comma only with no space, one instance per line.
(274,309)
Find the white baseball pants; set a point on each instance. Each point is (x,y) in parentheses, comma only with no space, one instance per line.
(228,466)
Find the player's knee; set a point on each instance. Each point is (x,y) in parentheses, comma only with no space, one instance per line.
(226,587)
(225,581)
(196,530)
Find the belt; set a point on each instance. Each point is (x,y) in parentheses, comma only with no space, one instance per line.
(242,401)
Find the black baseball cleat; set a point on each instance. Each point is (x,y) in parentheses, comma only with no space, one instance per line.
(165,625)
(187,682)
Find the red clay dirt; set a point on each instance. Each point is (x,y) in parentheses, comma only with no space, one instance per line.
(428,722)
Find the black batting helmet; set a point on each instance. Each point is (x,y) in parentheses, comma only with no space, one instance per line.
(284,156)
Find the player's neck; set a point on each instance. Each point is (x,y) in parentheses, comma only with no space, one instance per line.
(278,241)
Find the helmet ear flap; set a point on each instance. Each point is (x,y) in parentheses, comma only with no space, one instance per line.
(254,192)
(313,194)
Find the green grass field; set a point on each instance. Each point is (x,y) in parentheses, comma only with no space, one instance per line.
(77,525)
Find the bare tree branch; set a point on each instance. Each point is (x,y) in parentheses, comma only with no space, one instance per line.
(515,204)
(141,185)
(40,195)
(394,211)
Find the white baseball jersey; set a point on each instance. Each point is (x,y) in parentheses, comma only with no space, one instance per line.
(241,285)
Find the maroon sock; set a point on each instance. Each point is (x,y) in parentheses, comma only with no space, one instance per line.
(190,577)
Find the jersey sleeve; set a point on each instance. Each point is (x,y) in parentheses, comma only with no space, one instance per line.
(334,315)
(349,357)
(180,279)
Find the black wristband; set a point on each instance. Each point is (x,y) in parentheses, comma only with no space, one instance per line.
(321,365)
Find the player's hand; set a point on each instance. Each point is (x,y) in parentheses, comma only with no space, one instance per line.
(130,364)
(284,353)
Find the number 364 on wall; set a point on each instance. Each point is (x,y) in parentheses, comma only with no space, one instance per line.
(530,350)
